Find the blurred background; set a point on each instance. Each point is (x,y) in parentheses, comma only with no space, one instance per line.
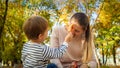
(104,16)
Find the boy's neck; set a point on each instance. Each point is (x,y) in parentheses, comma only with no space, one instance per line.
(35,41)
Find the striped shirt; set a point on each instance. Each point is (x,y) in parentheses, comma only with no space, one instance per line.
(37,56)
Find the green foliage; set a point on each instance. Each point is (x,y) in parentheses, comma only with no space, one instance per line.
(13,37)
(108,28)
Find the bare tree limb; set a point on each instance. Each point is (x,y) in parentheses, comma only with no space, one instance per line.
(98,14)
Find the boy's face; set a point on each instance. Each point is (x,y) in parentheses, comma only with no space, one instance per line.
(43,36)
(46,33)
(76,29)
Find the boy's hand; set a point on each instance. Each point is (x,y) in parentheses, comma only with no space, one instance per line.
(69,37)
(71,29)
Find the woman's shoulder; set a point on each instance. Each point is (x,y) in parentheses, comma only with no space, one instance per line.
(58,28)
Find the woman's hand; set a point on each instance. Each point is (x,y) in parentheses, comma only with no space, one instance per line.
(74,64)
(84,66)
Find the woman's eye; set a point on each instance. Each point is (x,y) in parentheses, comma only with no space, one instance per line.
(77,31)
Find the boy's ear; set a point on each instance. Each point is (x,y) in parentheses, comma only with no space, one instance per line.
(40,36)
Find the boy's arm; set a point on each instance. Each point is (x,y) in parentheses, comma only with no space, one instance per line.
(52,53)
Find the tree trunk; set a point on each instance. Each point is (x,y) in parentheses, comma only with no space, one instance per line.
(3,18)
(106,56)
(114,55)
(102,54)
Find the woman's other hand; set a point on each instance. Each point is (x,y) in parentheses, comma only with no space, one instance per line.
(84,66)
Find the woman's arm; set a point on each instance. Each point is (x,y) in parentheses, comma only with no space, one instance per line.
(54,37)
(94,62)
(90,64)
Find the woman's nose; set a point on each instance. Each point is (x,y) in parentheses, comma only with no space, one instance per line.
(73,33)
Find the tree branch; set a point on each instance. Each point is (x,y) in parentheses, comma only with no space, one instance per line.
(98,14)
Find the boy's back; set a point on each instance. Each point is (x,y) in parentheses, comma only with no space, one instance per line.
(32,55)
(37,55)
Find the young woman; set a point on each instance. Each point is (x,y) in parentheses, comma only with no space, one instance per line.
(80,53)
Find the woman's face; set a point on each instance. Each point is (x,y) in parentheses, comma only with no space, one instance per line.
(76,29)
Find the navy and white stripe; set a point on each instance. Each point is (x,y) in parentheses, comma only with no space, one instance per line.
(37,56)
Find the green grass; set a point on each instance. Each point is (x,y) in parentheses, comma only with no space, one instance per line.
(110,67)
